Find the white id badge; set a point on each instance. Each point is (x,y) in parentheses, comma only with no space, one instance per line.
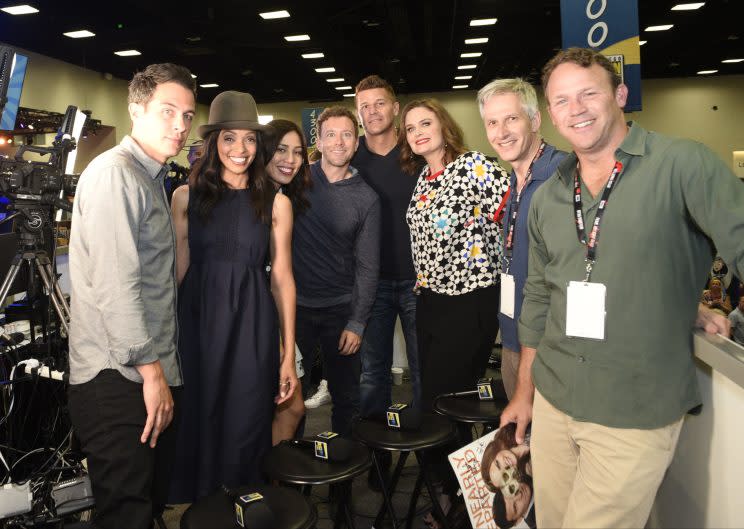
(585,310)
(507,295)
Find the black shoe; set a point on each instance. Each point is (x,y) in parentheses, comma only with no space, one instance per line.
(385,459)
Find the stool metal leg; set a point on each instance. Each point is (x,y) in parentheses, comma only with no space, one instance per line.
(387,494)
(429,487)
(414,499)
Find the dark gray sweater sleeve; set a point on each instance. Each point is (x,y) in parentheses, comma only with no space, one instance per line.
(366,269)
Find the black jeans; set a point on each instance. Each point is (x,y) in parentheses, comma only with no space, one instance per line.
(130,480)
(320,329)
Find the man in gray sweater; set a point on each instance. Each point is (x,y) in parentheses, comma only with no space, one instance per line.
(335,257)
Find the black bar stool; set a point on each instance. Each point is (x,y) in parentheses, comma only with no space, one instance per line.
(469,410)
(435,431)
(291,464)
(291,509)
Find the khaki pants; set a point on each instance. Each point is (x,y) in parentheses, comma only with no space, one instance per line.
(589,475)
(509,370)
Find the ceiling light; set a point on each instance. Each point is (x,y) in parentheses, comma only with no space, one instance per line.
(335,80)
(270,15)
(474,54)
(688,7)
(463,77)
(479,40)
(483,22)
(264,119)
(349,95)
(642,42)
(209,85)
(456,86)
(127,53)
(467,66)
(343,88)
(296,38)
(328,69)
(731,61)
(24,9)
(312,55)
(706,72)
(663,27)
(81,34)
(193,76)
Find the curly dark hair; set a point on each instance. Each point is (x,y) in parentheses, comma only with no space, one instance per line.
(451,131)
(207,187)
(295,190)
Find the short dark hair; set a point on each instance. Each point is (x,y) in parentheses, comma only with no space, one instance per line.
(583,57)
(374,81)
(338,111)
(144,83)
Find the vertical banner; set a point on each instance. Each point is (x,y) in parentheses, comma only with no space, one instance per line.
(611,27)
(310,125)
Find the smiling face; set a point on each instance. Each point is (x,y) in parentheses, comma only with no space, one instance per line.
(162,125)
(287,159)
(236,149)
(518,504)
(585,109)
(337,141)
(509,129)
(377,110)
(424,133)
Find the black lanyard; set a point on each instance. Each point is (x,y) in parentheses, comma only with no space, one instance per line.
(516,199)
(593,241)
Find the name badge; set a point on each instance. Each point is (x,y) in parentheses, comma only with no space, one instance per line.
(507,295)
(585,310)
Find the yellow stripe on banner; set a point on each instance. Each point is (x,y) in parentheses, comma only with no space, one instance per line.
(628,48)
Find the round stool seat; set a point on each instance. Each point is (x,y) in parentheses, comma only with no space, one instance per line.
(435,430)
(293,464)
(217,511)
(470,409)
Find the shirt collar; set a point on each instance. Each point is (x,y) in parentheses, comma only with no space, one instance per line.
(538,171)
(634,144)
(153,168)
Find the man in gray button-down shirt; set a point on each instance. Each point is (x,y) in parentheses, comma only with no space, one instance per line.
(123,358)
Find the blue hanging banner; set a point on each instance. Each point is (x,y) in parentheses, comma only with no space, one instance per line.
(310,124)
(611,27)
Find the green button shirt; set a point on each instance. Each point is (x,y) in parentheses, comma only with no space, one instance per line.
(653,254)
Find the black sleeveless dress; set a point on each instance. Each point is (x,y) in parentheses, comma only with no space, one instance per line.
(229,348)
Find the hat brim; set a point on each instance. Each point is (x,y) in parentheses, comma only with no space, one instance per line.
(237,125)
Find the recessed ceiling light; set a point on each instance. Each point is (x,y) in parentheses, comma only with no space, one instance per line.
(478,40)
(467,66)
(642,42)
(731,61)
(81,34)
(662,27)
(328,69)
(296,38)
(483,22)
(193,76)
(24,9)
(688,7)
(707,72)
(456,86)
(312,55)
(349,95)
(473,54)
(343,88)
(209,85)
(127,53)
(463,77)
(270,15)
(264,119)
(335,80)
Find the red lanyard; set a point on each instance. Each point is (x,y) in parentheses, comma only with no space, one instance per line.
(591,244)
(516,199)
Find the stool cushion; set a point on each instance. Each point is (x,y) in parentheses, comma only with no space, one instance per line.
(293,464)
(435,430)
(470,409)
(216,511)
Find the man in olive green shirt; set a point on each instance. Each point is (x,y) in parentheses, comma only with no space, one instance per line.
(606,340)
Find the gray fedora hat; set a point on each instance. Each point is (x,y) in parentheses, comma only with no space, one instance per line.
(232,110)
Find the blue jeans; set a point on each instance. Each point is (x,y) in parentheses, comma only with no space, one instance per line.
(394,298)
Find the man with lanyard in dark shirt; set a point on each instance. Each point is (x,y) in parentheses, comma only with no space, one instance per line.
(377,160)
(512,120)
(613,368)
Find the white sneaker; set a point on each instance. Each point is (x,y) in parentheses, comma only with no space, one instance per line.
(322,396)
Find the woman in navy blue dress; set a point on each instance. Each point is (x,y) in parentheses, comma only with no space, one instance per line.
(228,222)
